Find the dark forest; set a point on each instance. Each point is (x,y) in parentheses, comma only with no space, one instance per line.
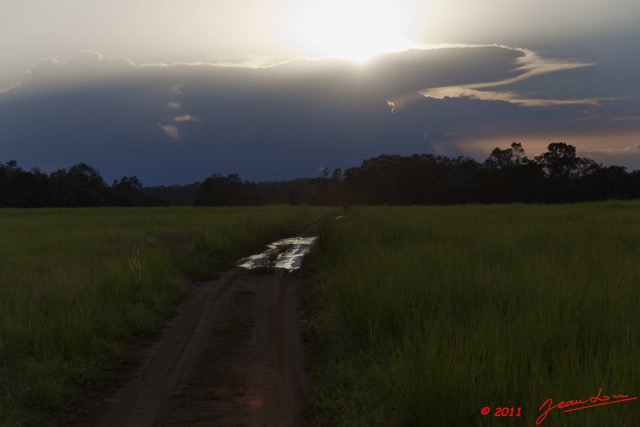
(506,176)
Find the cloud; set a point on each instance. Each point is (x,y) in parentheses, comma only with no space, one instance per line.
(627,156)
(84,68)
(186,118)
(632,116)
(170,130)
(531,64)
(281,121)
(171,126)
(100,64)
(527,65)
(511,97)
(10,88)
(177,90)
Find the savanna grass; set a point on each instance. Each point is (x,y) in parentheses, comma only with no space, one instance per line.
(424,315)
(78,285)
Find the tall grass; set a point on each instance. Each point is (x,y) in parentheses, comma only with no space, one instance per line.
(78,285)
(423,316)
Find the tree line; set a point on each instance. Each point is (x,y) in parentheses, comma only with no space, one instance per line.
(506,176)
(79,186)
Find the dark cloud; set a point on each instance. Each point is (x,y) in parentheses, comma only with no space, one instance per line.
(182,122)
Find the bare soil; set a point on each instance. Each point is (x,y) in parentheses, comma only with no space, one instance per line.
(232,356)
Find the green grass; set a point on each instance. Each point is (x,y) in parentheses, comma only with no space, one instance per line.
(424,315)
(78,285)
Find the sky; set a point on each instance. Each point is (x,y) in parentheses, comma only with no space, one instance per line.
(174,91)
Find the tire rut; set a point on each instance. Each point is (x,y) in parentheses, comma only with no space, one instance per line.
(232,357)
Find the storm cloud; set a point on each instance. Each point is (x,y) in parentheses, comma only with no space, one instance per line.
(178,123)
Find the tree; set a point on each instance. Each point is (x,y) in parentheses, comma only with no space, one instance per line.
(218,190)
(559,161)
(610,182)
(509,157)
(211,191)
(509,176)
(23,189)
(128,191)
(81,185)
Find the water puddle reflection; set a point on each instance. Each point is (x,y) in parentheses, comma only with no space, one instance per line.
(285,253)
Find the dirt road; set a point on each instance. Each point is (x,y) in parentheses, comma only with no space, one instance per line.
(231,357)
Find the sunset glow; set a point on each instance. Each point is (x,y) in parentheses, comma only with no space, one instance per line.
(176,90)
(356,30)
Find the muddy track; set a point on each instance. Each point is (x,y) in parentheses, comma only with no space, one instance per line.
(231,357)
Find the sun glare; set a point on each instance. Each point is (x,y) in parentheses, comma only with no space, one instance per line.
(350,29)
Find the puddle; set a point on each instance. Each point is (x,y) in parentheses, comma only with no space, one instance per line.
(285,253)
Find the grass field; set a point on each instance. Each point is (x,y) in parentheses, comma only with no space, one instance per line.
(78,285)
(422,316)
